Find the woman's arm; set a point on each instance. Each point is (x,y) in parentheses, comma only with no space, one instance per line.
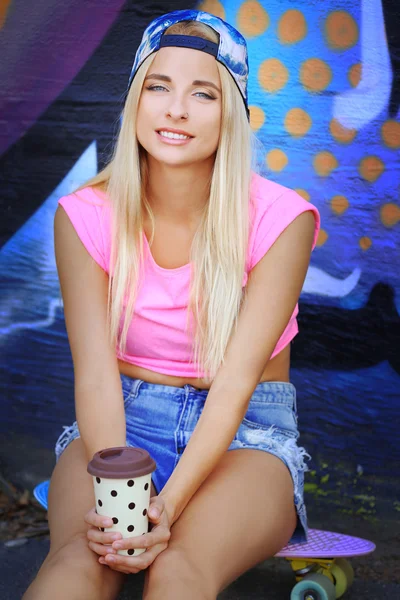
(274,287)
(99,402)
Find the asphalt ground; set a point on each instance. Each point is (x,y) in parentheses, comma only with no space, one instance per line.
(270,580)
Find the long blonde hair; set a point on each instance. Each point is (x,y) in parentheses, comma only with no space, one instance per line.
(218,252)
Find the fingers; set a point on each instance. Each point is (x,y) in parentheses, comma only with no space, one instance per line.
(92,518)
(133,564)
(102,561)
(96,533)
(101,549)
(156,509)
(107,544)
(155,543)
(100,537)
(158,535)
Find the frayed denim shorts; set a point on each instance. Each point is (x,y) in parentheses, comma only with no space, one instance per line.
(162,418)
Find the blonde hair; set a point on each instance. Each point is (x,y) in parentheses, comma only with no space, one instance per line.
(218,252)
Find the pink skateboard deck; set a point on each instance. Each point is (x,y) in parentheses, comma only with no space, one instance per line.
(327,544)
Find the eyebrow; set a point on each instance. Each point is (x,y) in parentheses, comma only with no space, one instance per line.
(195,82)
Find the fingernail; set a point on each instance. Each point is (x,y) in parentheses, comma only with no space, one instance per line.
(154,513)
(107,523)
(116,536)
(117,546)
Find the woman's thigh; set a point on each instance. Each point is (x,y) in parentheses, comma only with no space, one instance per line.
(71,496)
(269,426)
(241,515)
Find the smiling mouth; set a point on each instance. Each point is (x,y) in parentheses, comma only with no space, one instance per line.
(170,135)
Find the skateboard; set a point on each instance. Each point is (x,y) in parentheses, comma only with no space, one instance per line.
(321,566)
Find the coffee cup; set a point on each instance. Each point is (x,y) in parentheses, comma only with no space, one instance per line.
(122,485)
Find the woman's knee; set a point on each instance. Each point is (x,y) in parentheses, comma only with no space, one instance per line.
(71,496)
(74,552)
(75,555)
(175,564)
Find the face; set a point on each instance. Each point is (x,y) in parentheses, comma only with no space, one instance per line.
(180,82)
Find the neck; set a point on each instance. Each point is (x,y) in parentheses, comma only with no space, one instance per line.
(178,194)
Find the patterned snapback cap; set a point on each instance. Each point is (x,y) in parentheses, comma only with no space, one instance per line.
(231,51)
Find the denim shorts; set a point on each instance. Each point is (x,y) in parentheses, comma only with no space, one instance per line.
(162,418)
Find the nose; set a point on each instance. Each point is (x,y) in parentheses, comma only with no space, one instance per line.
(176,109)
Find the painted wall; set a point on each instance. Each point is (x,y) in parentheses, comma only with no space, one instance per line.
(324,94)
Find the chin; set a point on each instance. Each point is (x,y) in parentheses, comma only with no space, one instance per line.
(177,163)
(174,160)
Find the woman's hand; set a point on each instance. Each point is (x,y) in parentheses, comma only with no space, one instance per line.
(155,542)
(100,541)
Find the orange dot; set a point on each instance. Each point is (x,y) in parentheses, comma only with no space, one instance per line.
(303,193)
(341,30)
(257,117)
(277,160)
(214,7)
(341,133)
(324,163)
(292,27)
(365,243)
(371,167)
(354,74)
(297,122)
(339,204)
(252,18)
(272,75)
(315,74)
(390,214)
(322,237)
(390,132)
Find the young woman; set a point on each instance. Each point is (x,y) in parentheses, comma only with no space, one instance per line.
(180,270)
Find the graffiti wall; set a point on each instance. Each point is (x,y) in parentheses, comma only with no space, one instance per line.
(324,94)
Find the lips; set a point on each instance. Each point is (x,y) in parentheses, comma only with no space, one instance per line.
(179,131)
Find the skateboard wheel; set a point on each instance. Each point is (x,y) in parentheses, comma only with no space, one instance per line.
(347,568)
(343,576)
(314,587)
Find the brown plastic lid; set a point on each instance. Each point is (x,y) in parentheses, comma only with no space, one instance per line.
(121,462)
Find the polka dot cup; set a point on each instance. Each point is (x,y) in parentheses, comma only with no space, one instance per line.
(123,498)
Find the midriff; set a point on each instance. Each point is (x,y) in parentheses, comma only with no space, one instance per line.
(277,369)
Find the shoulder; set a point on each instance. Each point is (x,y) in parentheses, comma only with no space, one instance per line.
(271,201)
(89,206)
(264,193)
(90,197)
(272,208)
(88,210)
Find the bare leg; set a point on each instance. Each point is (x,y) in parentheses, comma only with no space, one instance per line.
(241,515)
(71,570)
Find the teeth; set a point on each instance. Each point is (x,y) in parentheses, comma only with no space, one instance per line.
(174,136)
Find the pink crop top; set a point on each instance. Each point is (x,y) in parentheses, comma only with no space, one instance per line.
(157,339)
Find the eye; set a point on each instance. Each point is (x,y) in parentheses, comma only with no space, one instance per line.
(156,87)
(204,95)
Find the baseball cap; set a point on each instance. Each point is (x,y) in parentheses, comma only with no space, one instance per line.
(231,51)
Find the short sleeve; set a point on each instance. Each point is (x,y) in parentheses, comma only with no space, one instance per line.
(84,212)
(273,219)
